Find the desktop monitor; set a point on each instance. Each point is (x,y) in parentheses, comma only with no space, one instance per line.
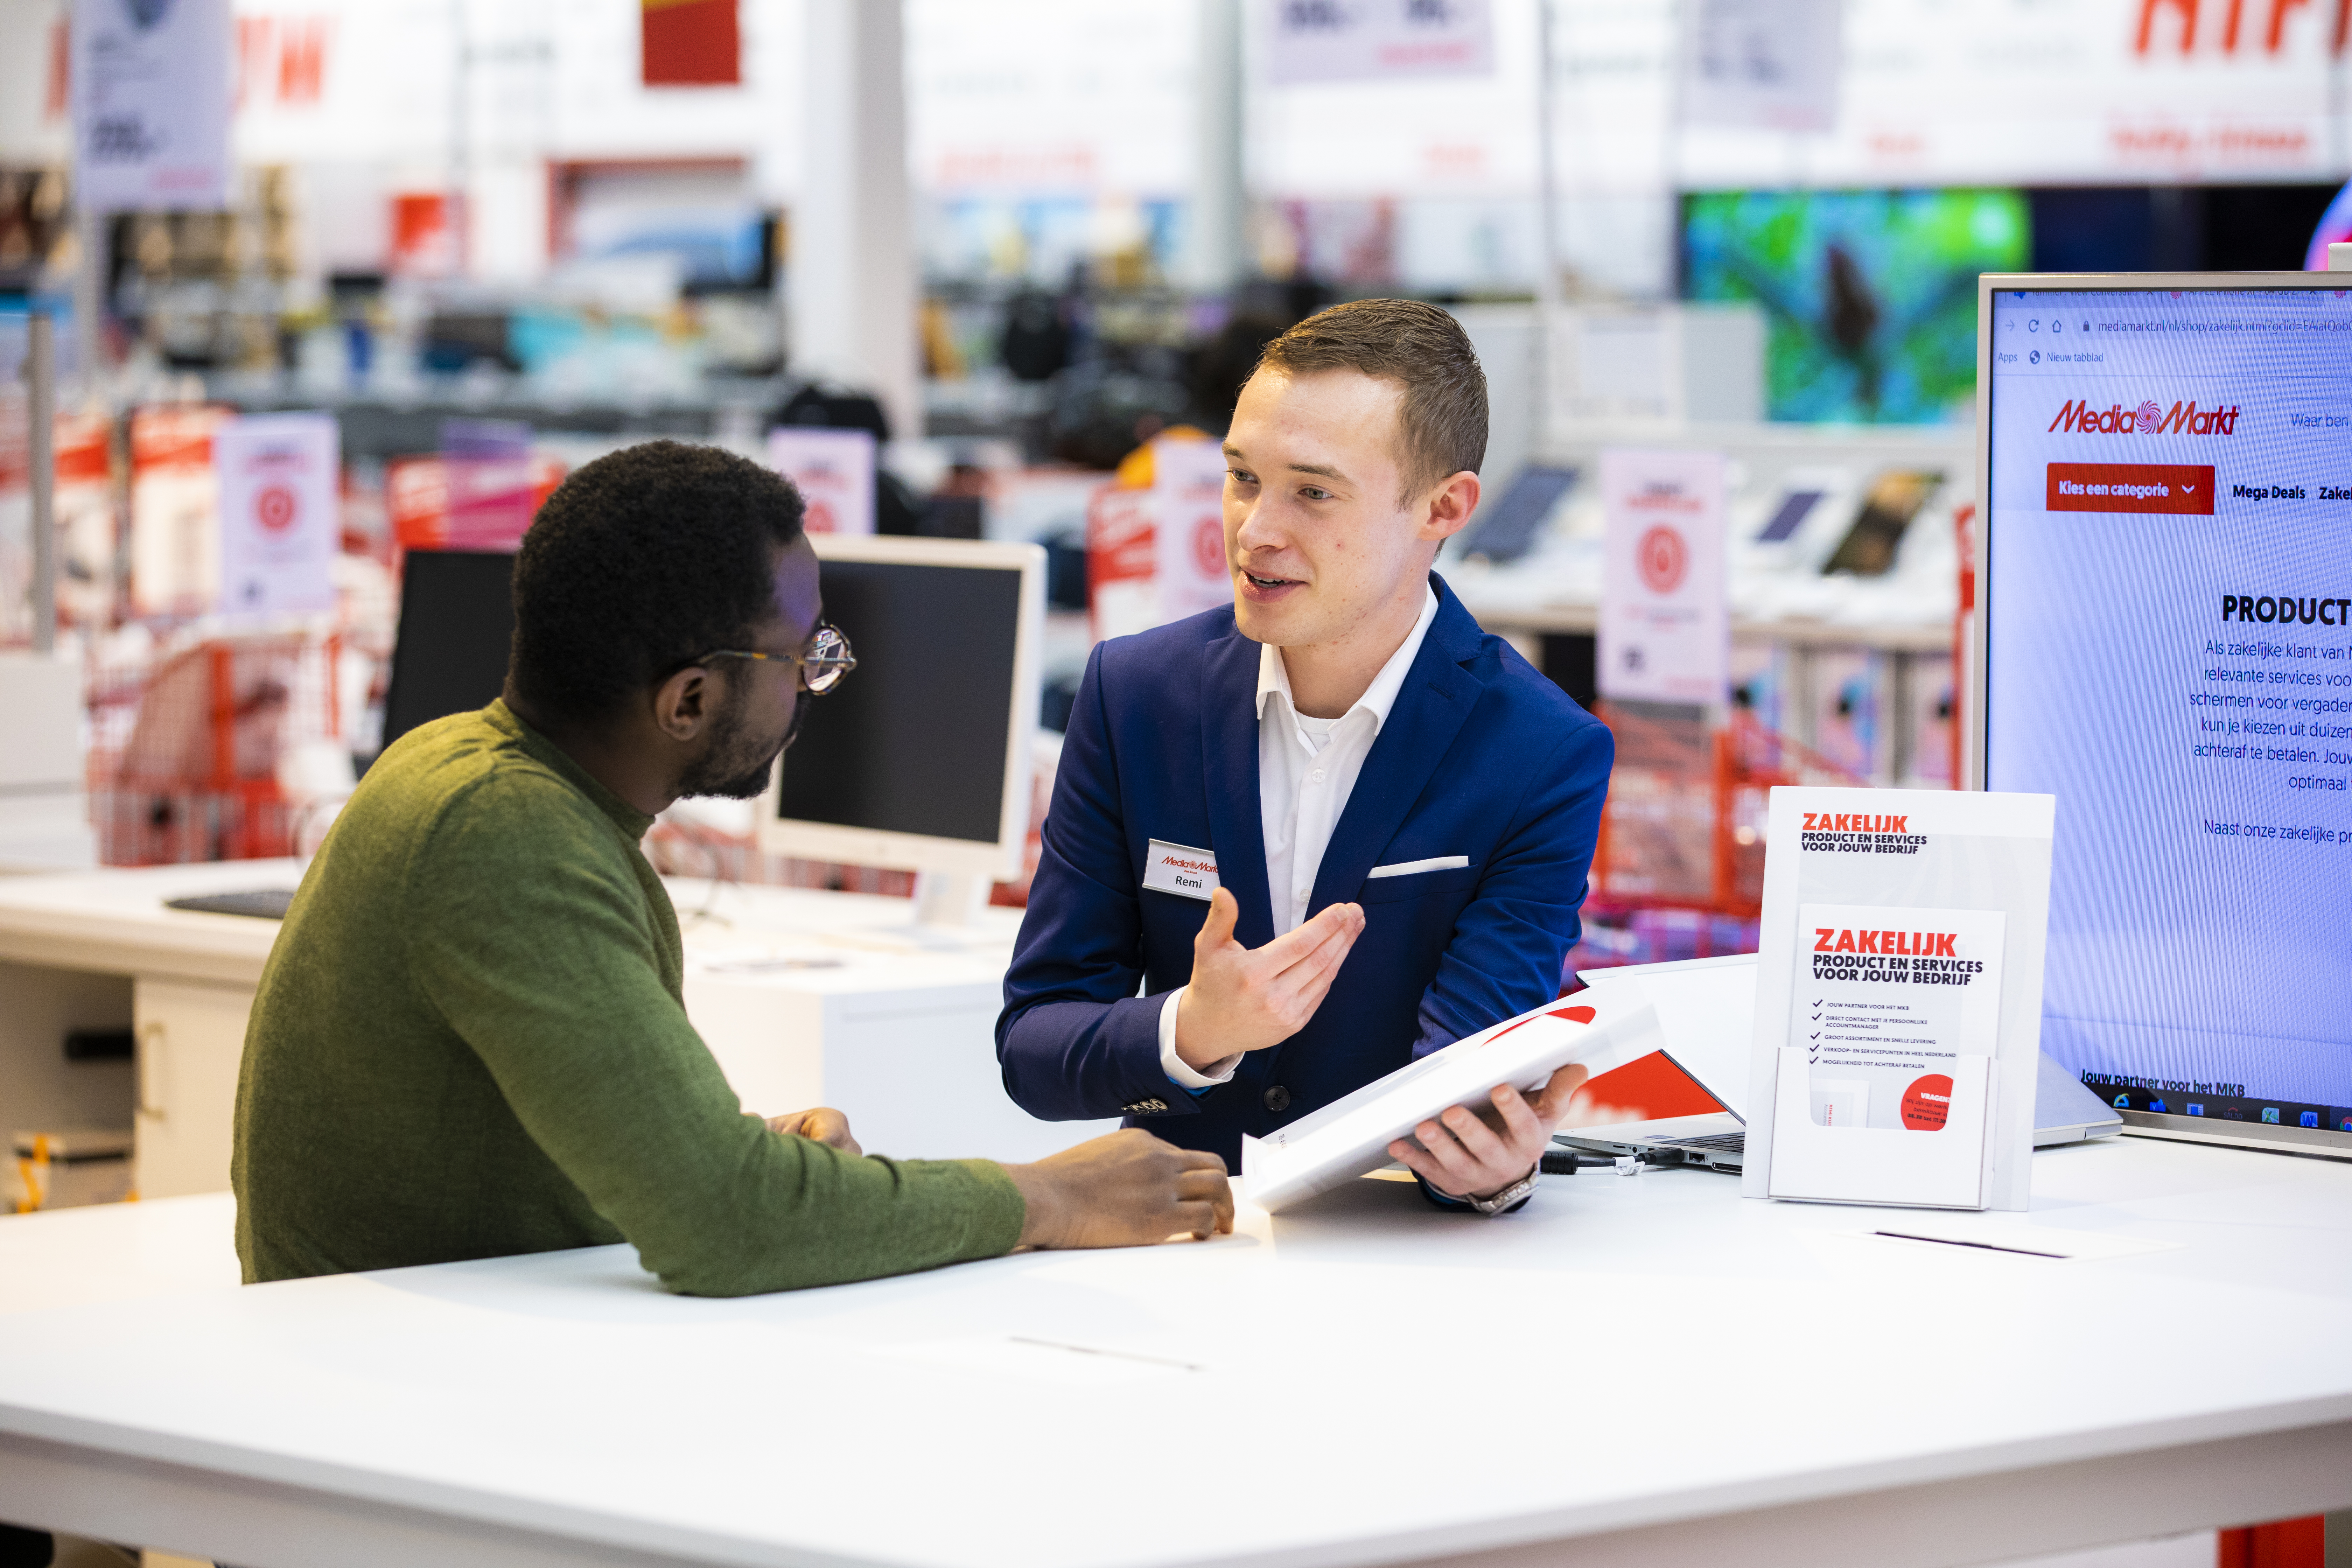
(456,621)
(920,759)
(2163,642)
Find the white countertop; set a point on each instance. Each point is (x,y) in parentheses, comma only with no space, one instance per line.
(115,920)
(117,1252)
(1359,1380)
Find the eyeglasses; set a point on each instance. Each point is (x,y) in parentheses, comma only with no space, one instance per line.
(823,663)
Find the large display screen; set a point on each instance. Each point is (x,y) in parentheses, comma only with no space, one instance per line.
(1870,296)
(2169,651)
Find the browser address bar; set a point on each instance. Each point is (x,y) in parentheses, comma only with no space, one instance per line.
(2222,326)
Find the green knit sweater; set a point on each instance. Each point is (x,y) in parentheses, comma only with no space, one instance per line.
(471,1041)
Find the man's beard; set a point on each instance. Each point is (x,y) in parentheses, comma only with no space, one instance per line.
(733,769)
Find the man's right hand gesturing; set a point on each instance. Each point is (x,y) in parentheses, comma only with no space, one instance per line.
(1240,999)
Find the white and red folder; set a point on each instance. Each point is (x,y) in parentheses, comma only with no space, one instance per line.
(1351,1135)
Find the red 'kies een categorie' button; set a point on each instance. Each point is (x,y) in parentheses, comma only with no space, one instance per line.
(2132,486)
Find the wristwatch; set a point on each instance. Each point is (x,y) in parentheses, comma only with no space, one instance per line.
(1509,1196)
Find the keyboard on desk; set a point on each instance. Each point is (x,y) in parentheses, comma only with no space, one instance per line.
(260,903)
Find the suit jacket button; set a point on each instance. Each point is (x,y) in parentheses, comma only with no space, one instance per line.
(1277,1099)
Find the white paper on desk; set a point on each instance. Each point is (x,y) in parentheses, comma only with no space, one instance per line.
(1351,1135)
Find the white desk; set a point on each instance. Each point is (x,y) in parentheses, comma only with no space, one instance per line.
(117,1252)
(804,997)
(1639,1372)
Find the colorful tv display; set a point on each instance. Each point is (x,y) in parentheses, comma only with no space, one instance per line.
(1871,295)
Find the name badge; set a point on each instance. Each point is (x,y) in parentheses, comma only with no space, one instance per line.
(1179,868)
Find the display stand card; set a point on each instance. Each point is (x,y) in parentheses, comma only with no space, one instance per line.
(282,526)
(1665,611)
(1899,996)
(833,470)
(1188,485)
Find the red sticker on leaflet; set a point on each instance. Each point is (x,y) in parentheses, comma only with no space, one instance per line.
(1926,1103)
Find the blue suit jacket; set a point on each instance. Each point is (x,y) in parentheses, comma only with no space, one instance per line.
(1481,756)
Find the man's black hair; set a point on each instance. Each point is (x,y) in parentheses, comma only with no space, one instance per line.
(640,562)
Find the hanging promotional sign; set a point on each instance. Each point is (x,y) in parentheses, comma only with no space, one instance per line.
(1188,487)
(2115,92)
(1367,40)
(280,512)
(1122,562)
(488,476)
(1898,996)
(151,90)
(1156,552)
(1762,64)
(834,472)
(174,510)
(1665,618)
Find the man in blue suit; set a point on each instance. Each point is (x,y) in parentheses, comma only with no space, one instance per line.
(1331,828)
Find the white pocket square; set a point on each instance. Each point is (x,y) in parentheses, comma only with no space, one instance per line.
(1407,868)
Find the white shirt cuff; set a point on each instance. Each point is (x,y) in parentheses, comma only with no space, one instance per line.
(1178,1074)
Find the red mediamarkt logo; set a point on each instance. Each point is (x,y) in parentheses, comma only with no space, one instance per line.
(2150,418)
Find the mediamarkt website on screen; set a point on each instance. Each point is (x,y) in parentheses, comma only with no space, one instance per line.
(2169,652)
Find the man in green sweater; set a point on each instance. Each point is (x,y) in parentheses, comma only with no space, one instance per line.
(471,1041)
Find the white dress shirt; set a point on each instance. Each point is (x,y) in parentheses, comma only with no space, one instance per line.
(1307,769)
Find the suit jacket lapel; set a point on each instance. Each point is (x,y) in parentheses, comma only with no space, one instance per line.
(1229,759)
(1430,710)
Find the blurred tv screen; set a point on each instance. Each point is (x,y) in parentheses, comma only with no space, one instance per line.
(1871,295)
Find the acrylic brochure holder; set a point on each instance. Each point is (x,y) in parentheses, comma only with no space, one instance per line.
(1898,998)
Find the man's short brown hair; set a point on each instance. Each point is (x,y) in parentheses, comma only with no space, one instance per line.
(1441,417)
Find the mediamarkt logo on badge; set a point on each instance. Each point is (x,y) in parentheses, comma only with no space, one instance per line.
(2150,418)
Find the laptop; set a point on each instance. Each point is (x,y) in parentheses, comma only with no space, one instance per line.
(1706,1010)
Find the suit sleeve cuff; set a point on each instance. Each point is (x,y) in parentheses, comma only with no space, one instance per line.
(1179,1073)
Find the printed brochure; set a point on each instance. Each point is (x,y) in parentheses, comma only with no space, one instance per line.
(1899,996)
